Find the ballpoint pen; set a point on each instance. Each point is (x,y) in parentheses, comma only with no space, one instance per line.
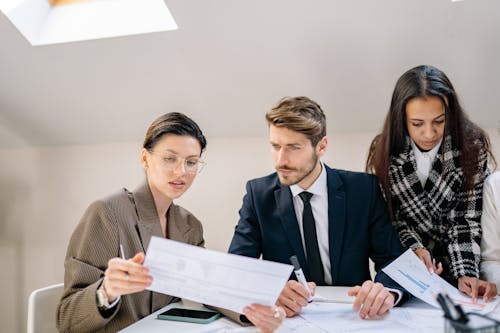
(122,253)
(300,276)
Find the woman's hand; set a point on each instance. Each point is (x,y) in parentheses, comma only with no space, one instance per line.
(475,287)
(126,276)
(266,318)
(429,262)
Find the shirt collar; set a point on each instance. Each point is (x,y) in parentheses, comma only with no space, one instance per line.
(319,187)
(431,153)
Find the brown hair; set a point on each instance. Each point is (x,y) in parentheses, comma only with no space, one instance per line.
(173,123)
(299,114)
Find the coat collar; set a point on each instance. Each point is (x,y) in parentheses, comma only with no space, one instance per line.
(149,224)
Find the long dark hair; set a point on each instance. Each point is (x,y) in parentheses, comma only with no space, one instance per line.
(467,137)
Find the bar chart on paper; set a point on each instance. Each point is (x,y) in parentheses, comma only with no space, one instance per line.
(410,272)
(422,286)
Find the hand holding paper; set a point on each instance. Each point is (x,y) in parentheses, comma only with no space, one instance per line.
(224,280)
(412,274)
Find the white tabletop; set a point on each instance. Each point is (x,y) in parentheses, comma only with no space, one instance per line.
(420,312)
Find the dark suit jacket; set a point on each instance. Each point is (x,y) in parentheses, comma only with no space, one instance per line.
(358,227)
(124,218)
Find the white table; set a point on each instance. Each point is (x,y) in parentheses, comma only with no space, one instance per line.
(151,324)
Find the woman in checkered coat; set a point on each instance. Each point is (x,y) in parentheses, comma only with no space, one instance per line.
(431,161)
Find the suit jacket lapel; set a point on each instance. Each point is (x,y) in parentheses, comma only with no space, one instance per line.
(336,220)
(286,211)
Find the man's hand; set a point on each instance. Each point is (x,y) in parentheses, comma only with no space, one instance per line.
(371,299)
(294,297)
(474,287)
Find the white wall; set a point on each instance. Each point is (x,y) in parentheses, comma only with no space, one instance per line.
(44,192)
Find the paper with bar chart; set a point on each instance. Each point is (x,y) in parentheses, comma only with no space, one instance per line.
(410,272)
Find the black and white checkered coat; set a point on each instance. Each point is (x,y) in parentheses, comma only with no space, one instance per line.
(439,215)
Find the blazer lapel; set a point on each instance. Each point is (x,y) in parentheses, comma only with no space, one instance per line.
(176,226)
(408,196)
(336,220)
(442,186)
(286,211)
(148,226)
(149,223)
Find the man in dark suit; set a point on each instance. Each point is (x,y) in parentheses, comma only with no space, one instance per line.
(332,220)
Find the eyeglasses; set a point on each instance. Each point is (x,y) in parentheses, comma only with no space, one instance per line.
(170,162)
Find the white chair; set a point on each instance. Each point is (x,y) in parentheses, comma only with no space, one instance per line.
(42,306)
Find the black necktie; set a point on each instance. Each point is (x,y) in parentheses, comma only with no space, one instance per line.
(313,258)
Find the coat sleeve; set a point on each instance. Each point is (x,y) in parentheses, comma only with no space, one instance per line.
(384,241)
(408,236)
(94,241)
(247,238)
(464,247)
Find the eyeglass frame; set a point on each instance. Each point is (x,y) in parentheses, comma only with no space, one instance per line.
(200,164)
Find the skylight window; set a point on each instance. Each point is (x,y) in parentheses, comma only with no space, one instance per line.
(45,22)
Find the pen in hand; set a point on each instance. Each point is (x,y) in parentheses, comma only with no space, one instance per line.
(122,253)
(300,276)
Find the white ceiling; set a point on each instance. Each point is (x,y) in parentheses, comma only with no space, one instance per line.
(231,60)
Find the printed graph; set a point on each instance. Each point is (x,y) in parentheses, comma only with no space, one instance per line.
(420,284)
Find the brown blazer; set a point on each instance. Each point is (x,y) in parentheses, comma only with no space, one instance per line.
(129,218)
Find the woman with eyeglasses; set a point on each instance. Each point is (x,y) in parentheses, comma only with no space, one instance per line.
(431,161)
(103,290)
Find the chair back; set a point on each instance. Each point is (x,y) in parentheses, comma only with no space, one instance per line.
(42,306)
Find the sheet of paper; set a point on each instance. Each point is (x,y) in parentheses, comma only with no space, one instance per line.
(410,272)
(322,299)
(222,327)
(337,317)
(215,278)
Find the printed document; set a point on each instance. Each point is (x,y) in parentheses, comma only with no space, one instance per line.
(338,317)
(410,272)
(209,277)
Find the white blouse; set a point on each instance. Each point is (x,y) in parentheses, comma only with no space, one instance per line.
(424,160)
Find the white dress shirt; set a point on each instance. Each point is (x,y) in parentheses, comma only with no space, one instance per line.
(319,206)
(424,160)
(490,221)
